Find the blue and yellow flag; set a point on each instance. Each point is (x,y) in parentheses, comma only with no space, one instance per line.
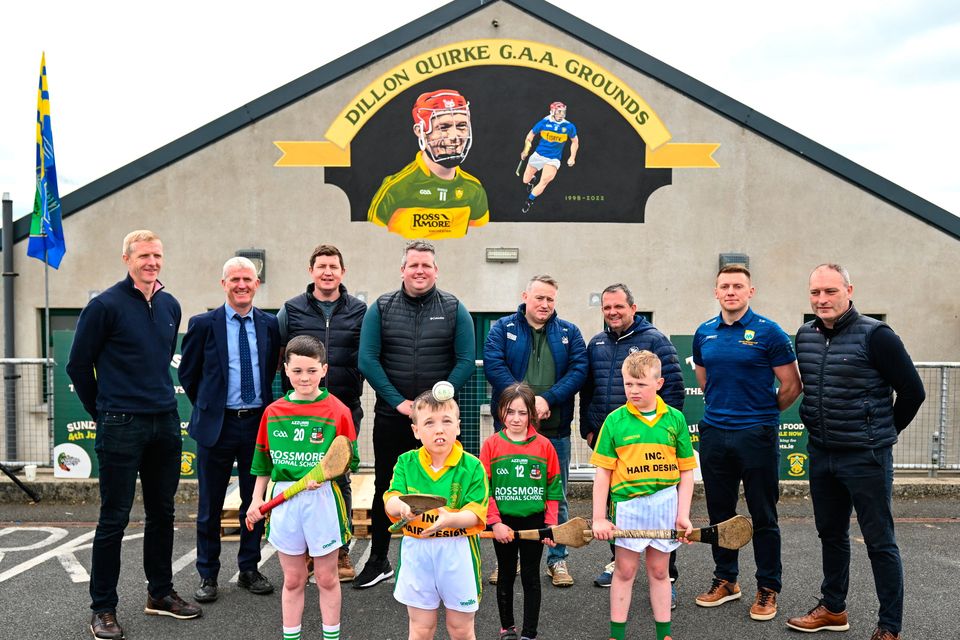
(46,227)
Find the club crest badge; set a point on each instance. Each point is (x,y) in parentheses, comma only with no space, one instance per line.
(749,334)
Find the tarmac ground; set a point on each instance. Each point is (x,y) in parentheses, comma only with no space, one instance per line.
(45,561)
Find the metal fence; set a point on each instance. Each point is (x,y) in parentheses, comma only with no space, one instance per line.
(27,411)
(931,442)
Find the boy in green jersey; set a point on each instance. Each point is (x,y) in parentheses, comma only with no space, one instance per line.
(643,454)
(440,553)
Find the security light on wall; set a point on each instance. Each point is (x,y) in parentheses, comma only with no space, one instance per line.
(503,254)
(259,259)
(734,258)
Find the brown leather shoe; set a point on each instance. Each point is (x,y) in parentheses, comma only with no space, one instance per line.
(172,605)
(765,605)
(820,619)
(345,569)
(720,591)
(883,634)
(105,626)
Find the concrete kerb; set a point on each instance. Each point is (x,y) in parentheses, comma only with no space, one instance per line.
(78,491)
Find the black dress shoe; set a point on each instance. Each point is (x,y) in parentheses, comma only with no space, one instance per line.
(254,582)
(207,591)
(105,626)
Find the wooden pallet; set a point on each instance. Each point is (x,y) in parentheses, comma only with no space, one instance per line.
(360,483)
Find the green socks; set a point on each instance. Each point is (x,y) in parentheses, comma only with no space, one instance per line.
(331,632)
(618,630)
(291,633)
(663,629)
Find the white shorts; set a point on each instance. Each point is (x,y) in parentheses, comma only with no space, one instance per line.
(311,520)
(435,570)
(538,161)
(655,511)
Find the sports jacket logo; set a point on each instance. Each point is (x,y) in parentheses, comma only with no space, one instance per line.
(749,334)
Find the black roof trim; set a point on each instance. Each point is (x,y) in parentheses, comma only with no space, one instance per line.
(694,89)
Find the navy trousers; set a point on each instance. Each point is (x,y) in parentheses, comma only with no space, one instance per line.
(842,480)
(214,466)
(129,445)
(752,455)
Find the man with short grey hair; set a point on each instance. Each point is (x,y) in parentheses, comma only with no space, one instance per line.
(851,365)
(411,338)
(535,346)
(229,359)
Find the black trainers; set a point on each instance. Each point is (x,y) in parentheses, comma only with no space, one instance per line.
(105,626)
(376,570)
(254,582)
(207,591)
(172,605)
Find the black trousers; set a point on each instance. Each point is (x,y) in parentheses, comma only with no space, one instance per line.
(530,552)
(392,436)
(214,467)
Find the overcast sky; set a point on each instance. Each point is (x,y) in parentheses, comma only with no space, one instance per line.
(877,81)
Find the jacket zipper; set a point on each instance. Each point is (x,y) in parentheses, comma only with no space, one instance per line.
(823,366)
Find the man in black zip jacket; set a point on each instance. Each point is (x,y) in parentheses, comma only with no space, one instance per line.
(327,312)
(850,366)
(120,367)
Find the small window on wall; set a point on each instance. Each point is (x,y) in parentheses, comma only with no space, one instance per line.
(60,320)
(882,317)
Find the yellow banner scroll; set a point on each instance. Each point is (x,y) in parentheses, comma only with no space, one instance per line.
(518,53)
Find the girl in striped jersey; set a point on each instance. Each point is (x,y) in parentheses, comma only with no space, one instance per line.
(525,490)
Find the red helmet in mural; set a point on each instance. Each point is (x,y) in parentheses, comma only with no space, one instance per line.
(558,110)
(441,119)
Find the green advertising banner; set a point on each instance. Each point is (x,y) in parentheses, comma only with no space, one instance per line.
(74,433)
(794,464)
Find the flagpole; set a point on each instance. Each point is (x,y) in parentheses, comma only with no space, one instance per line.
(48,368)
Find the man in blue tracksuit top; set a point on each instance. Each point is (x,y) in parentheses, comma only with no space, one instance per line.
(739,355)
(534,346)
(624,332)
(120,368)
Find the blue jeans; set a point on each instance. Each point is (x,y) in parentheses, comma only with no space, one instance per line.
(130,444)
(842,480)
(562,445)
(752,455)
(214,466)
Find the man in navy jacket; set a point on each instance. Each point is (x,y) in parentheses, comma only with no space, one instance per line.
(226,415)
(534,346)
(120,367)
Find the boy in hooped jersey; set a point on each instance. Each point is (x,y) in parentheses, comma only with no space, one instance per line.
(645,465)
(440,553)
(295,433)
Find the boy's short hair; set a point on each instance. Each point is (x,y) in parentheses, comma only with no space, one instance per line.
(140,235)
(641,363)
(326,250)
(519,390)
(426,401)
(308,346)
